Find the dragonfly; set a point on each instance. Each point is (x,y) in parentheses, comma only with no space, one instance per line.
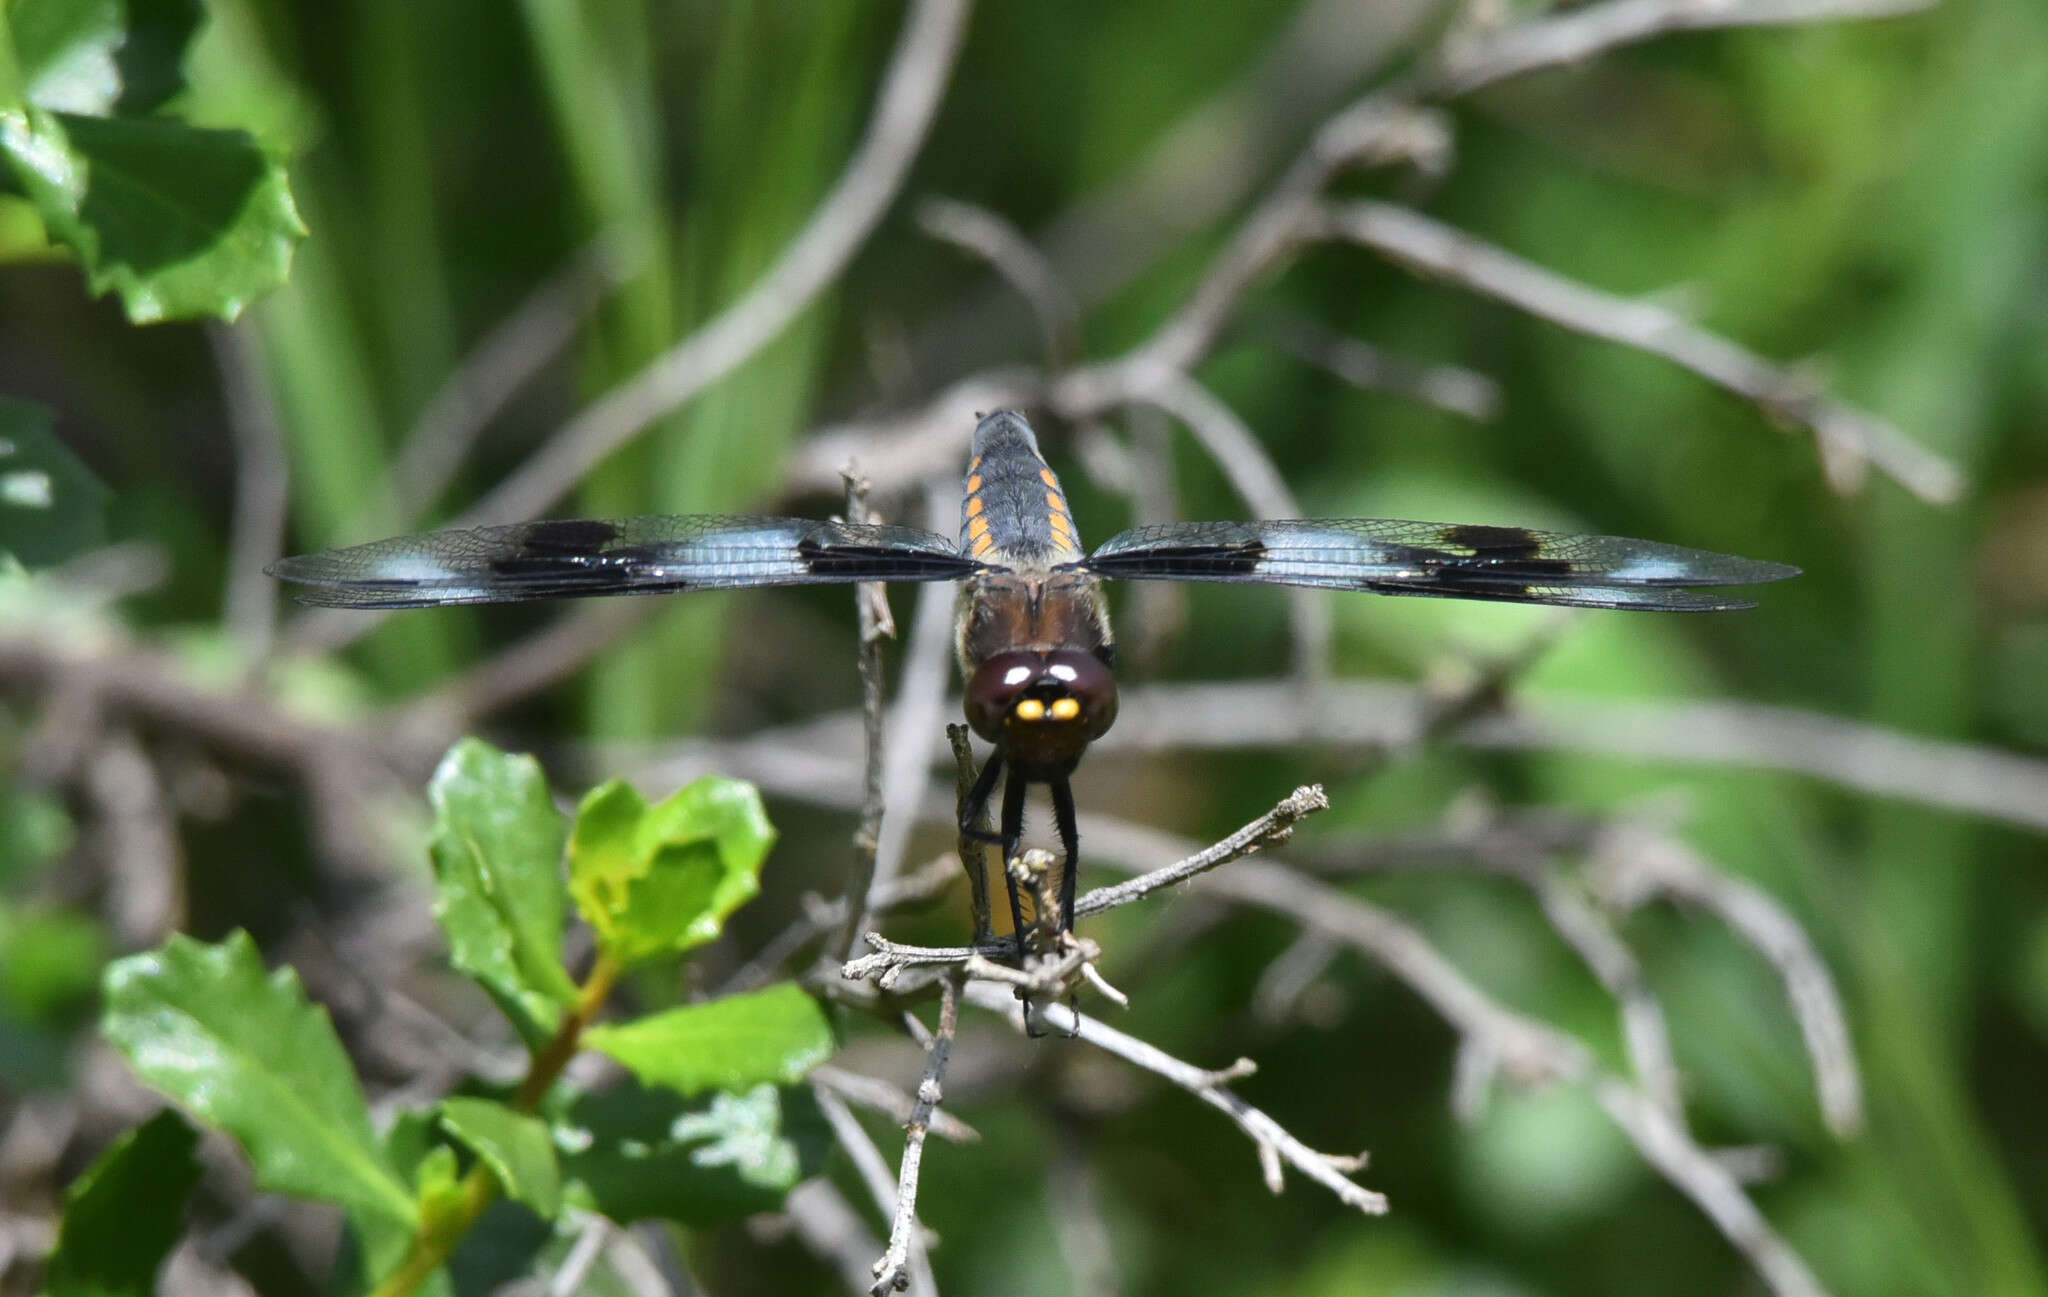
(1032,630)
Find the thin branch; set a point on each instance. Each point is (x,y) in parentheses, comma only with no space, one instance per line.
(973,848)
(1633,866)
(1344,714)
(1391,125)
(1450,388)
(526,667)
(1287,979)
(1576,35)
(927,882)
(262,487)
(1699,1175)
(1258,482)
(1275,1144)
(138,842)
(1272,828)
(877,1095)
(1073,1195)
(832,1231)
(1201,167)
(1848,437)
(1615,966)
(1527,1050)
(1023,267)
(506,358)
(583,1257)
(892,1269)
(1353,714)
(871,606)
(908,101)
(918,715)
(867,1159)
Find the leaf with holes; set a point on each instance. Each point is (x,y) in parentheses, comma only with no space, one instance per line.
(662,879)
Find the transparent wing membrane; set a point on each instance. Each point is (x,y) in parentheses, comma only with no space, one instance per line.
(1442,560)
(580,558)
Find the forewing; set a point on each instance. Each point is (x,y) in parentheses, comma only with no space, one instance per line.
(1450,561)
(579,558)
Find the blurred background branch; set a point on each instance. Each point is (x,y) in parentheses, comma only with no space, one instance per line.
(680,258)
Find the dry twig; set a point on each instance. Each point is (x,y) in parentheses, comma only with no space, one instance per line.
(891,1270)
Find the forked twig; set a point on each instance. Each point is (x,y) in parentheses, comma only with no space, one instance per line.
(1277,1147)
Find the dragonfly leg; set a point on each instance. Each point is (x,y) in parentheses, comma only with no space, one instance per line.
(1070,848)
(1013,833)
(975,805)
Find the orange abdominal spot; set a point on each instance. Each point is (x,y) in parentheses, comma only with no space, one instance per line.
(974,507)
(1055,502)
(1045,476)
(974,482)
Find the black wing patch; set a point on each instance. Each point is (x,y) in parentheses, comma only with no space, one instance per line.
(577,558)
(1448,561)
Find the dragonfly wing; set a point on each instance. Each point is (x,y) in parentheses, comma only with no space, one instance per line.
(1441,560)
(577,558)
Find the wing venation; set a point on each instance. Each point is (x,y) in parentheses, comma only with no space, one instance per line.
(1440,560)
(587,557)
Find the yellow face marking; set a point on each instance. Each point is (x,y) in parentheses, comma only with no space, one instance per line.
(973,481)
(974,507)
(1065,709)
(1045,476)
(1033,710)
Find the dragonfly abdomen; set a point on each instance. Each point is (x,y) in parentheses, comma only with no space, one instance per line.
(1015,512)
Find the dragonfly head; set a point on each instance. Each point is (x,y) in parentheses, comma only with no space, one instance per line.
(1043,709)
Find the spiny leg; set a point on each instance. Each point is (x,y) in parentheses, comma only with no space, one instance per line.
(976,803)
(1013,833)
(1070,848)
(973,811)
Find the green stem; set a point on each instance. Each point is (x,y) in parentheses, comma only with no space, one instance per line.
(479,1189)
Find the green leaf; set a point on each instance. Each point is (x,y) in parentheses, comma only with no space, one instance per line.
(775,1035)
(497,852)
(662,879)
(514,1145)
(123,1216)
(247,1052)
(102,56)
(375,1246)
(49,962)
(439,1178)
(51,505)
(181,222)
(638,1153)
(34,830)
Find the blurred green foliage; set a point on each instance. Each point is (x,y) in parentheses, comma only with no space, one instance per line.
(1872,194)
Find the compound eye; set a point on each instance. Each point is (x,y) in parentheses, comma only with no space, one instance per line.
(1089,687)
(995,685)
